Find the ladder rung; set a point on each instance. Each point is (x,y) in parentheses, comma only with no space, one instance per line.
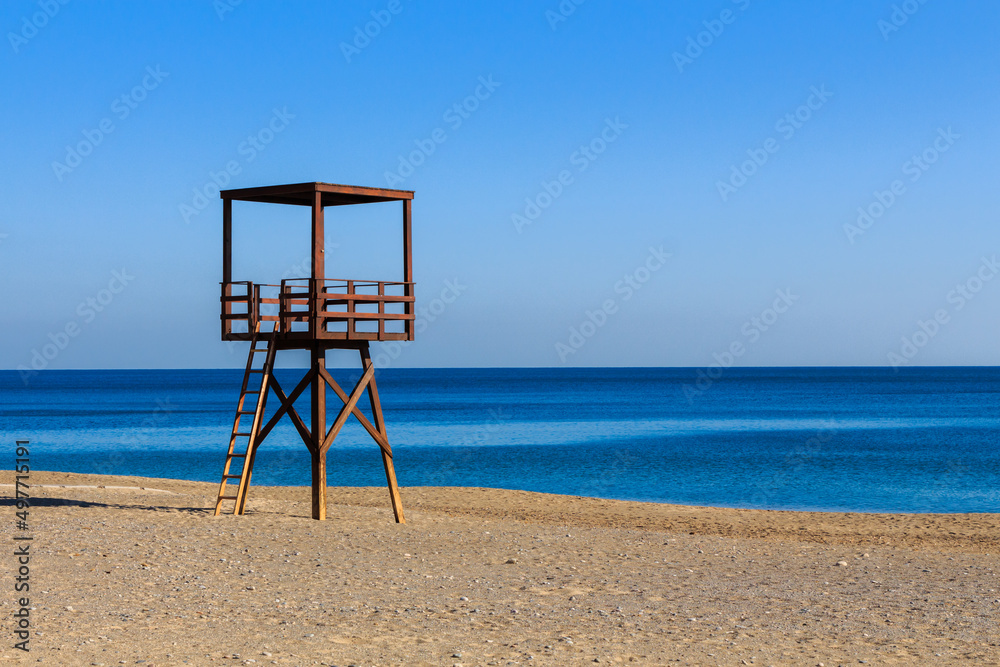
(232,476)
(242,456)
(246,412)
(256,370)
(259,349)
(251,391)
(227,497)
(241,434)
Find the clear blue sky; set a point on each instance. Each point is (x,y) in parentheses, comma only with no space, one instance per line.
(671,118)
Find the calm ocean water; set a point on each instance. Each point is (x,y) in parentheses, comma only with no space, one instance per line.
(851,439)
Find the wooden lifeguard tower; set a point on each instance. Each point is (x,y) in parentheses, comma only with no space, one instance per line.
(316,314)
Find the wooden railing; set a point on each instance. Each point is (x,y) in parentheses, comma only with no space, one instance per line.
(238,306)
(331,309)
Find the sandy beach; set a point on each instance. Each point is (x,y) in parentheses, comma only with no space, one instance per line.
(143,574)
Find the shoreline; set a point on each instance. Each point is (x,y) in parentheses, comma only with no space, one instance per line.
(140,572)
(965,532)
(542,493)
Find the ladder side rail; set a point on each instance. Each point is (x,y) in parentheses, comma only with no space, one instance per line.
(231,451)
(258,417)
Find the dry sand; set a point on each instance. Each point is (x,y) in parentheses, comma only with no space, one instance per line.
(488,577)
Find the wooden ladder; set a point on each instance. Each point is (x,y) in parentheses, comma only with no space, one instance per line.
(242,430)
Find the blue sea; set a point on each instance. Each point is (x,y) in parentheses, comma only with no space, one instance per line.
(844,439)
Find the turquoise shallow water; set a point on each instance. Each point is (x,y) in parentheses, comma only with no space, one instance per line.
(851,439)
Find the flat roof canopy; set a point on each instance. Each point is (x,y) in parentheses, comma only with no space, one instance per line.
(302,194)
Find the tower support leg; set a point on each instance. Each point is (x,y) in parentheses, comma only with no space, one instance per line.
(316,448)
(390,476)
(318,485)
(390,471)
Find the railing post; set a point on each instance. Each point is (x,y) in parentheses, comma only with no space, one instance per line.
(351,330)
(281,306)
(226,323)
(314,308)
(381,309)
(410,310)
(253,306)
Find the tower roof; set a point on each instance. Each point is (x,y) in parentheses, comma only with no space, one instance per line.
(301,194)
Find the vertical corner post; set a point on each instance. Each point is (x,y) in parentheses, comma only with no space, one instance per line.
(408,264)
(317,283)
(318,354)
(227,265)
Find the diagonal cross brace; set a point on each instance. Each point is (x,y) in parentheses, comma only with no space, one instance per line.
(349,407)
(379,439)
(288,405)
